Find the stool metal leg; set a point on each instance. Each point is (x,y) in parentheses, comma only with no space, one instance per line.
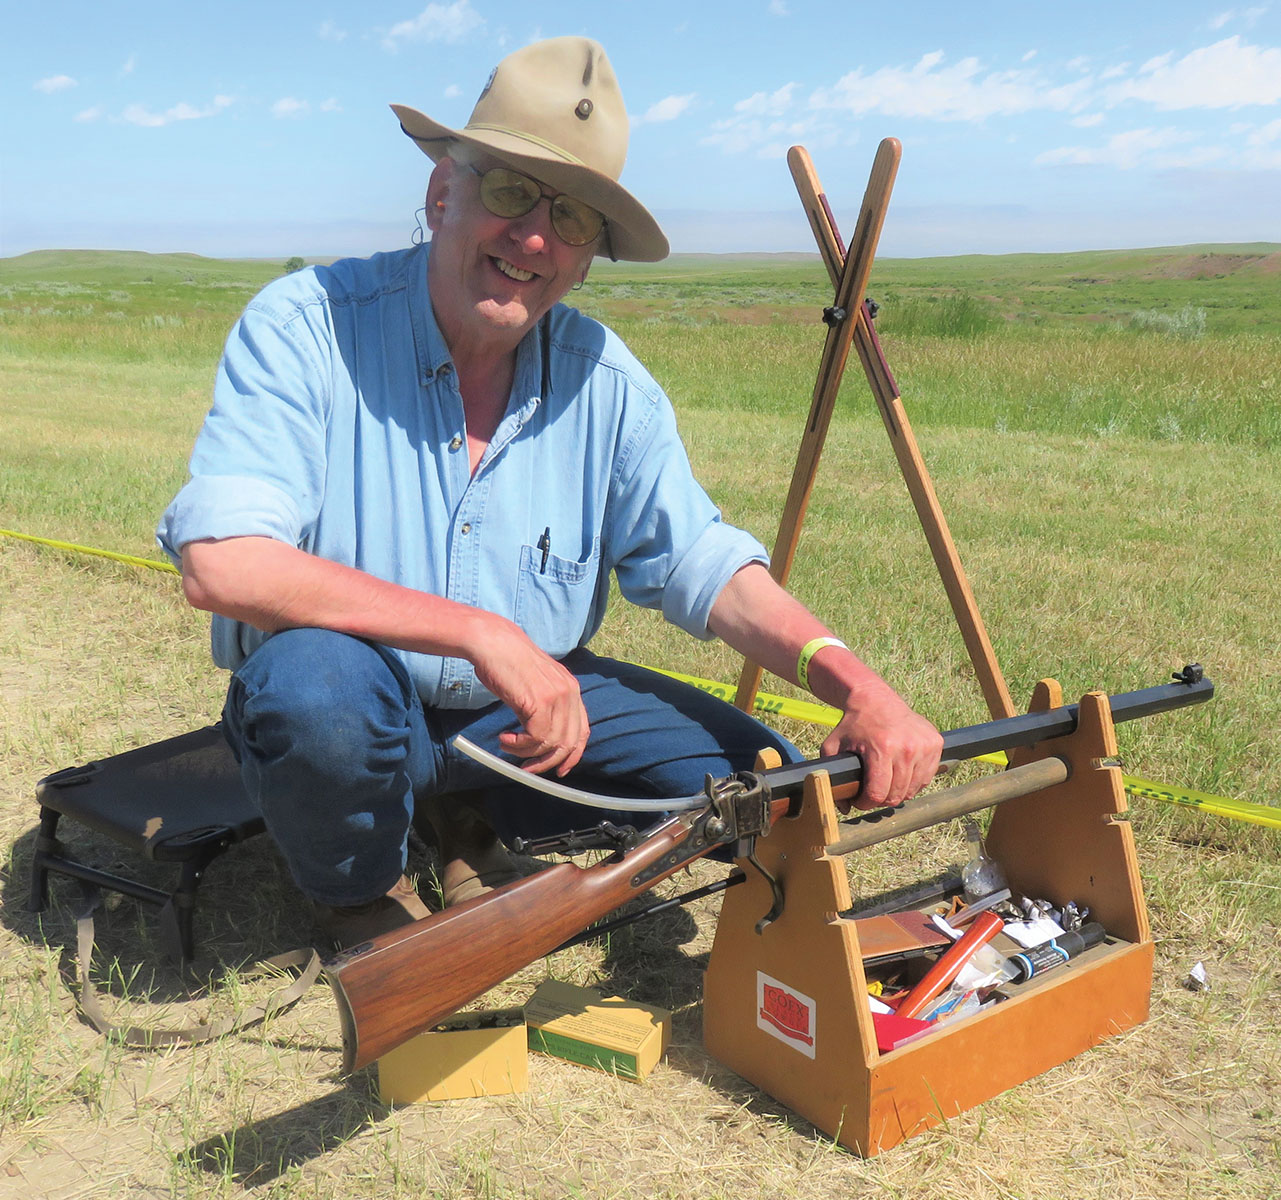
(46,844)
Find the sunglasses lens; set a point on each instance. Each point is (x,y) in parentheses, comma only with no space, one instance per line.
(507,193)
(575,223)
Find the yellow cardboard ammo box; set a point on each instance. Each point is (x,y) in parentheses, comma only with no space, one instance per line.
(471,1054)
(581,1025)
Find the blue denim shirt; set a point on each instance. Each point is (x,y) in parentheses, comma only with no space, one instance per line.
(337,426)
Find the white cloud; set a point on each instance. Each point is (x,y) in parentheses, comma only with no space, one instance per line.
(288,106)
(128,66)
(330,105)
(1263,147)
(961,92)
(1271,132)
(1231,73)
(1249,17)
(765,124)
(89,114)
(778,8)
(1156,149)
(453,91)
(55,83)
(329,32)
(436,23)
(767,104)
(139,114)
(667,109)
(1228,74)
(770,139)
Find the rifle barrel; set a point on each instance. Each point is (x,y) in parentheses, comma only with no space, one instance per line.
(1004,733)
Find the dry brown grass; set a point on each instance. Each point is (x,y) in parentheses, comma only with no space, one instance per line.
(1186,1105)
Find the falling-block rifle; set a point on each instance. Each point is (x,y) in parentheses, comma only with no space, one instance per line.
(401,983)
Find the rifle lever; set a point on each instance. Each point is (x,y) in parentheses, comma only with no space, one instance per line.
(775,887)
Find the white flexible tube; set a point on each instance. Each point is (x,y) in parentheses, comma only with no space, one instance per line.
(576,795)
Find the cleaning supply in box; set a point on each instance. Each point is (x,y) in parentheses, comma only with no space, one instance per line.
(1057,951)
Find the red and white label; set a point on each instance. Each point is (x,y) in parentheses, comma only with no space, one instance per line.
(786,1014)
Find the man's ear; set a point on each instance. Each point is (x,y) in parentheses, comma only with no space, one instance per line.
(438,192)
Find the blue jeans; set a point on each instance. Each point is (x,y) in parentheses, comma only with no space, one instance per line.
(335,747)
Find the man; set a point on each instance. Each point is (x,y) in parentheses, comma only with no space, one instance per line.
(417,476)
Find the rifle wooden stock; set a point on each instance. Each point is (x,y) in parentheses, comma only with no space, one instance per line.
(401,983)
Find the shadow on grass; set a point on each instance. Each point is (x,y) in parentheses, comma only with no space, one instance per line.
(257,1153)
(648,961)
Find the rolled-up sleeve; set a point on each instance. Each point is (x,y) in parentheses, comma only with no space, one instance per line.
(673,550)
(257,468)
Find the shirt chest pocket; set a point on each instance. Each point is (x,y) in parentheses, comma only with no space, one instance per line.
(555,597)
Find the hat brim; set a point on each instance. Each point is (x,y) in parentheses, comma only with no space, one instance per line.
(634,235)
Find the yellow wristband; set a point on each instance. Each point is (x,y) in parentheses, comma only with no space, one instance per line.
(811,648)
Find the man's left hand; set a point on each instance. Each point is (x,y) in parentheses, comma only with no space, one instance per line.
(900,749)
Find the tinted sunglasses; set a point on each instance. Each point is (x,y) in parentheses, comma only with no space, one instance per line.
(508,193)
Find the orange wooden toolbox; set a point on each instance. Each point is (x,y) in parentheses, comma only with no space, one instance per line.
(787,1008)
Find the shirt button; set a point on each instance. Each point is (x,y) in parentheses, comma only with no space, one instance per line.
(456,442)
(467,527)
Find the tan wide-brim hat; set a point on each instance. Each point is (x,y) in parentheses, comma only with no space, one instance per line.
(555,111)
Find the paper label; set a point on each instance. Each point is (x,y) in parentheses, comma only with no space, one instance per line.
(786,1014)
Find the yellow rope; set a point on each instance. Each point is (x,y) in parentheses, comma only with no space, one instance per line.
(818,714)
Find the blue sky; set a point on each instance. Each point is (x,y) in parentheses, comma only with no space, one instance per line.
(263,129)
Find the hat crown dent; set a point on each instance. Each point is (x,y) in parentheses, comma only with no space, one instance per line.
(561,94)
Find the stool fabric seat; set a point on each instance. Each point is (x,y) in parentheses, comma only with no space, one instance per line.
(176,801)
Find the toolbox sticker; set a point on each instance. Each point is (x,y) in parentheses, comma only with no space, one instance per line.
(785,1013)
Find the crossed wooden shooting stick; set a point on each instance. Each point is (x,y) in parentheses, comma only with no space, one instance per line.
(849,321)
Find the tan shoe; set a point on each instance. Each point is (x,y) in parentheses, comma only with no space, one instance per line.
(347,927)
(473,861)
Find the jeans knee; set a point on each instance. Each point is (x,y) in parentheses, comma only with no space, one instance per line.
(324,698)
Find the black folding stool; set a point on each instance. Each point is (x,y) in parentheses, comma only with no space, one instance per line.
(177,801)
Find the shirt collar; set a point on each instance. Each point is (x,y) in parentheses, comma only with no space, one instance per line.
(532,381)
(433,353)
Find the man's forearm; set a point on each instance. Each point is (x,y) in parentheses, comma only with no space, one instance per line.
(272,586)
(899,748)
(760,620)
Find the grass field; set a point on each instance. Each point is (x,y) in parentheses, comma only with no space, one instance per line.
(1104,432)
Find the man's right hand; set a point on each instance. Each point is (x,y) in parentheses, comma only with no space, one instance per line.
(543,695)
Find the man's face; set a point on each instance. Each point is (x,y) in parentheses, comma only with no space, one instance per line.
(492,278)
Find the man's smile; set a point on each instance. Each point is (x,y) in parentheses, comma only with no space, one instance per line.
(512,271)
